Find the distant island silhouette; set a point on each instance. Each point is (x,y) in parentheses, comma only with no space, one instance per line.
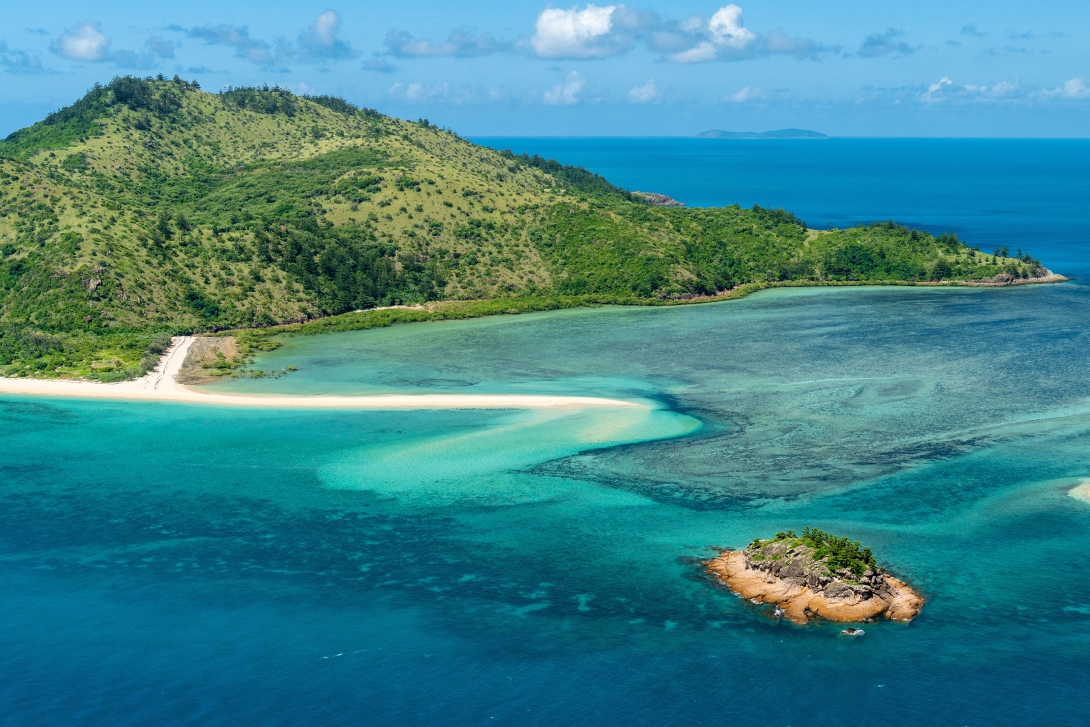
(781,134)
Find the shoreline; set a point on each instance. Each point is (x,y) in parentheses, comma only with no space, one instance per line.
(446,310)
(161,385)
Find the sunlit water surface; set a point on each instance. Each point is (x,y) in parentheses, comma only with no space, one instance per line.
(168,564)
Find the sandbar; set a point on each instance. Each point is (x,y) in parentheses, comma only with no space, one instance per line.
(1081,491)
(161,385)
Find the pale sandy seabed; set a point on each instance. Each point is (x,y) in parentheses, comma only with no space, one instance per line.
(1081,491)
(160,385)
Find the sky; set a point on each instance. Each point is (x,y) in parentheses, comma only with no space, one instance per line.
(527,68)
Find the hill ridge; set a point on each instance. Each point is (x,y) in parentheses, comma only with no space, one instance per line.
(150,206)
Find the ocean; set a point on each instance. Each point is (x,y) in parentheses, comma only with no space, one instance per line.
(177,564)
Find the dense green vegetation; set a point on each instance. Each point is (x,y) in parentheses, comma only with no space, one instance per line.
(151,207)
(839,553)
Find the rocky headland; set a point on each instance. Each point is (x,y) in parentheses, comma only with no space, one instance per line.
(815,575)
(658,200)
(1040,274)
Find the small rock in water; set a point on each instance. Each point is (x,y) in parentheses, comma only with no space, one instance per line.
(852,632)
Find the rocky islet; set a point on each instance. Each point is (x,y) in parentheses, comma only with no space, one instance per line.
(815,575)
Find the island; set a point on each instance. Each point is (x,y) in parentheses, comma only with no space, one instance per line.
(778,134)
(150,209)
(815,575)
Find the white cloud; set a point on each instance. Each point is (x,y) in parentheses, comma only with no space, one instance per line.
(935,88)
(85,43)
(723,37)
(726,28)
(647,93)
(1076,89)
(749,93)
(999,91)
(697,54)
(320,42)
(594,31)
(576,33)
(567,93)
(323,31)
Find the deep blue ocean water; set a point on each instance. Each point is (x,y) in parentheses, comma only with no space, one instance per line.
(169,564)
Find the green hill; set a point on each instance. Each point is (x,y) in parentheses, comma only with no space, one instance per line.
(151,207)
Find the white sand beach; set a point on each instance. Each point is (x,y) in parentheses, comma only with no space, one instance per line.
(160,385)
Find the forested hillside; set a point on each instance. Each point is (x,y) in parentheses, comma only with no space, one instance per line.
(151,207)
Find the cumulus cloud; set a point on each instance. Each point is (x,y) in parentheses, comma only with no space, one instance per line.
(1003,92)
(460,44)
(84,43)
(973,31)
(649,92)
(19,62)
(999,90)
(567,93)
(1075,89)
(724,37)
(877,45)
(319,42)
(749,93)
(593,32)
(930,96)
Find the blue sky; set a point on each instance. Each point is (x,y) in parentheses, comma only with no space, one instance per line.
(914,68)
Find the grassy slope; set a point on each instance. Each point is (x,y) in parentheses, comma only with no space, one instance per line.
(152,207)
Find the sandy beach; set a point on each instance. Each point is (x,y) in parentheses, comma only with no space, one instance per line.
(161,385)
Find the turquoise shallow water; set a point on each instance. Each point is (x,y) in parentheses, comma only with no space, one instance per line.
(174,564)
(178,564)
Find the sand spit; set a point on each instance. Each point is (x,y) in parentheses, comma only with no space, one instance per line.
(162,385)
(1081,491)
